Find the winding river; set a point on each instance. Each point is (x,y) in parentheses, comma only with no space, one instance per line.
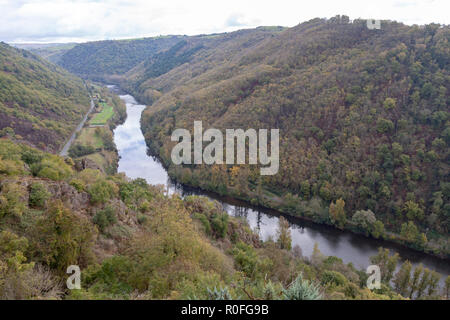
(136,163)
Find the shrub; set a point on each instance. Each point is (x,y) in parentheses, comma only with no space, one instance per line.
(364,220)
(105,218)
(302,289)
(102,190)
(204,221)
(219,224)
(38,195)
(13,199)
(77,184)
(11,167)
(52,167)
(79,150)
(63,238)
(333,278)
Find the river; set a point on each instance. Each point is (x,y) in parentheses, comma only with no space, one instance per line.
(136,163)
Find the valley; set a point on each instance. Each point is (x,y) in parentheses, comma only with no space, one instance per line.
(87,178)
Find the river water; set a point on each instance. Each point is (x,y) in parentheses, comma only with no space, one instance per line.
(136,163)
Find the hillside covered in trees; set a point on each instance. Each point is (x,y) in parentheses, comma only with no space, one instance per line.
(363,118)
(39,102)
(100,59)
(132,241)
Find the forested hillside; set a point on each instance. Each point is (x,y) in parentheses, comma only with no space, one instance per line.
(49,51)
(95,60)
(39,102)
(132,241)
(363,118)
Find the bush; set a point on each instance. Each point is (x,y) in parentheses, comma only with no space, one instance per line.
(302,289)
(52,167)
(38,195)
(63,238)
(102,190)
(105,218)
(13,199)
(77,184)
(79,150)
(205,222)
(219,224)
(11,167)
(333,278)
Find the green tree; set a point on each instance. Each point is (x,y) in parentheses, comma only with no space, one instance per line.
(433,284)
(389,103)
(337,213)
(386,262)
(364,220)
(447,287)
(378,229)
(424,282)
(284,239)
(413,210)
(409,231)
(63,238)
(102,191)
(38,195)
(402,279)
(415,280)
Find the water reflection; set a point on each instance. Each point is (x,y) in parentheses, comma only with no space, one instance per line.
(135,162)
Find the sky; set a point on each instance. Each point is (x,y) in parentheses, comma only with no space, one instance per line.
(43,21)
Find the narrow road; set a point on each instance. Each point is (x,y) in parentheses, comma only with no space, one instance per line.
(66,147)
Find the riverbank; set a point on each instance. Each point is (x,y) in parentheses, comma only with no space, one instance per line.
(276,203)
(93,146)
(311,208)
(136,162)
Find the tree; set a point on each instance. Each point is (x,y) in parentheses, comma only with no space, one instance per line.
(389,103)
(402,279)
(415,280)
(378,229)
(12,199)
(413,211)
(384,125)
(63,238)
(102,190)
(447,287)
(433,283)
(38,195)
(409,231)
(284,234)
(337,213)
(364,220)
(386,262)
(424,282)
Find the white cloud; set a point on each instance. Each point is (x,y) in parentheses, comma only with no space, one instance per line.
(83,20)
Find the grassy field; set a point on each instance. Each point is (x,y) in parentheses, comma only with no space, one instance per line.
(89,137)
(102,117)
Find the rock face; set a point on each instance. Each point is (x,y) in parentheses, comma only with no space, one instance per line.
(86,163)
(74,200)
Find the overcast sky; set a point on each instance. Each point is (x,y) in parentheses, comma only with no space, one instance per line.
(86,20)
